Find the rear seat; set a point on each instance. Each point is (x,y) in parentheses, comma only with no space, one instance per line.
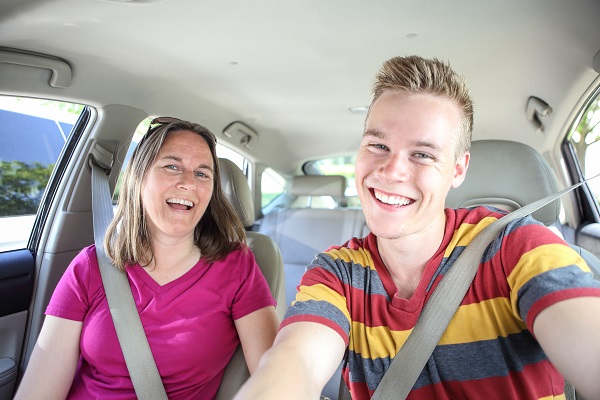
(303,232)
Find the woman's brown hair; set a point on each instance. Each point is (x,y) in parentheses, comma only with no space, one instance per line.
(128,240)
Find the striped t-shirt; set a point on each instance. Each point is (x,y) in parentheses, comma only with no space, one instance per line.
(488,350)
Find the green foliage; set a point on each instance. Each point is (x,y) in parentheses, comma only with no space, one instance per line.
(586,132)
(267,198)
(63,106)
(22,186)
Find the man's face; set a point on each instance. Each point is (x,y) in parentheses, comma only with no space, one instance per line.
(406,163)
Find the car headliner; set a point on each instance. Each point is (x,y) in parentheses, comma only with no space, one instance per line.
(291,70)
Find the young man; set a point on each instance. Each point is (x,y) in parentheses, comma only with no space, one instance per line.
(532,310)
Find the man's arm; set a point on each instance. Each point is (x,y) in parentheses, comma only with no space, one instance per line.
(569,333)
(303,358)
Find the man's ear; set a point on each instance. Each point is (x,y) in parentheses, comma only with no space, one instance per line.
(460,169)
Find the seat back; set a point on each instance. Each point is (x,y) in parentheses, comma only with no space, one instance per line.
(267,255)
(318,191)
(301,233)
(507,175)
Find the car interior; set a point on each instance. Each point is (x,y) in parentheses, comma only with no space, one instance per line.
(285,88)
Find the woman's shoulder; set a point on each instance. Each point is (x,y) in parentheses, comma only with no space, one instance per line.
(85,263)
(241,254)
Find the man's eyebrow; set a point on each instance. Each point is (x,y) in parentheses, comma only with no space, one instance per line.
(374,132)
(417,143)
(425,143)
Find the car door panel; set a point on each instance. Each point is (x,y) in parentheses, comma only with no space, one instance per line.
(588,237)
(16,288)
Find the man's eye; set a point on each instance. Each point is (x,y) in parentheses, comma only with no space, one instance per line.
(378,146)
(424,156)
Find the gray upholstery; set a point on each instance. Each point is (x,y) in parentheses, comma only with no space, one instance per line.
(496,177)
(592,261)
(236,189)
(319,185)
(318,191)
(301,233)
(507,175)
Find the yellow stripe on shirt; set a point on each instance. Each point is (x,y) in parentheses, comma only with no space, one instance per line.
(387,343)
(486,320)
(546,258)
(320,291)
(465,234)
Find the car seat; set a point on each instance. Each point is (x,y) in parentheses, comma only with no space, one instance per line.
(510,175)
(312,224)
(236,190)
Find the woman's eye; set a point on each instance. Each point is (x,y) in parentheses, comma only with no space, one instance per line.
(202,175)
(171,167)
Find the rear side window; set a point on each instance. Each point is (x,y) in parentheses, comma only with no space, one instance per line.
(272,186)
(33,133)
(342,165)
(584,140)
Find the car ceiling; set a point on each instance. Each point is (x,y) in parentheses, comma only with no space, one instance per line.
(291,70)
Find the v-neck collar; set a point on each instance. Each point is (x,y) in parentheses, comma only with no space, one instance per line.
(142,274)
(415,302)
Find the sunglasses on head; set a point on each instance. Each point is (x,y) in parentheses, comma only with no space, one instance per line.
(161,121)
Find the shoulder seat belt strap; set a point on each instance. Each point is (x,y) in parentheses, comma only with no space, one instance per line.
(132,338)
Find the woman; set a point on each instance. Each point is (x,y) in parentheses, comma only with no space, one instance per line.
(196,285)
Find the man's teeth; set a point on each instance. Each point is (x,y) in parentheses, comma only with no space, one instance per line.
(181,201)
(393,200)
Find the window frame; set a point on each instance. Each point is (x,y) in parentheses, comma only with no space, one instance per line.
(587,204)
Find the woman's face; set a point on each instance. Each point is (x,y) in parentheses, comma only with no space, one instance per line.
(178,186)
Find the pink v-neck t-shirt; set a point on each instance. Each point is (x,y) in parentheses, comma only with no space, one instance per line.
(189,323)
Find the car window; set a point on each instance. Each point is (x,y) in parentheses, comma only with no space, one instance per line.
(342,165)
(584,143)
(33,133)
(272,186)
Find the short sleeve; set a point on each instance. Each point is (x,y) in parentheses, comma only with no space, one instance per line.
(543,270)
(253,292)
(321,296)
(71,298)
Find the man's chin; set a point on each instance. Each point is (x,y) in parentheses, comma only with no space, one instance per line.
(386,230)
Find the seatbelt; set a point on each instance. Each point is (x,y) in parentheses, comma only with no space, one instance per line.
(410,360)
(132,338)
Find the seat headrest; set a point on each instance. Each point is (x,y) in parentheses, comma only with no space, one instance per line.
(236,190)
(507,175)
(319,185)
